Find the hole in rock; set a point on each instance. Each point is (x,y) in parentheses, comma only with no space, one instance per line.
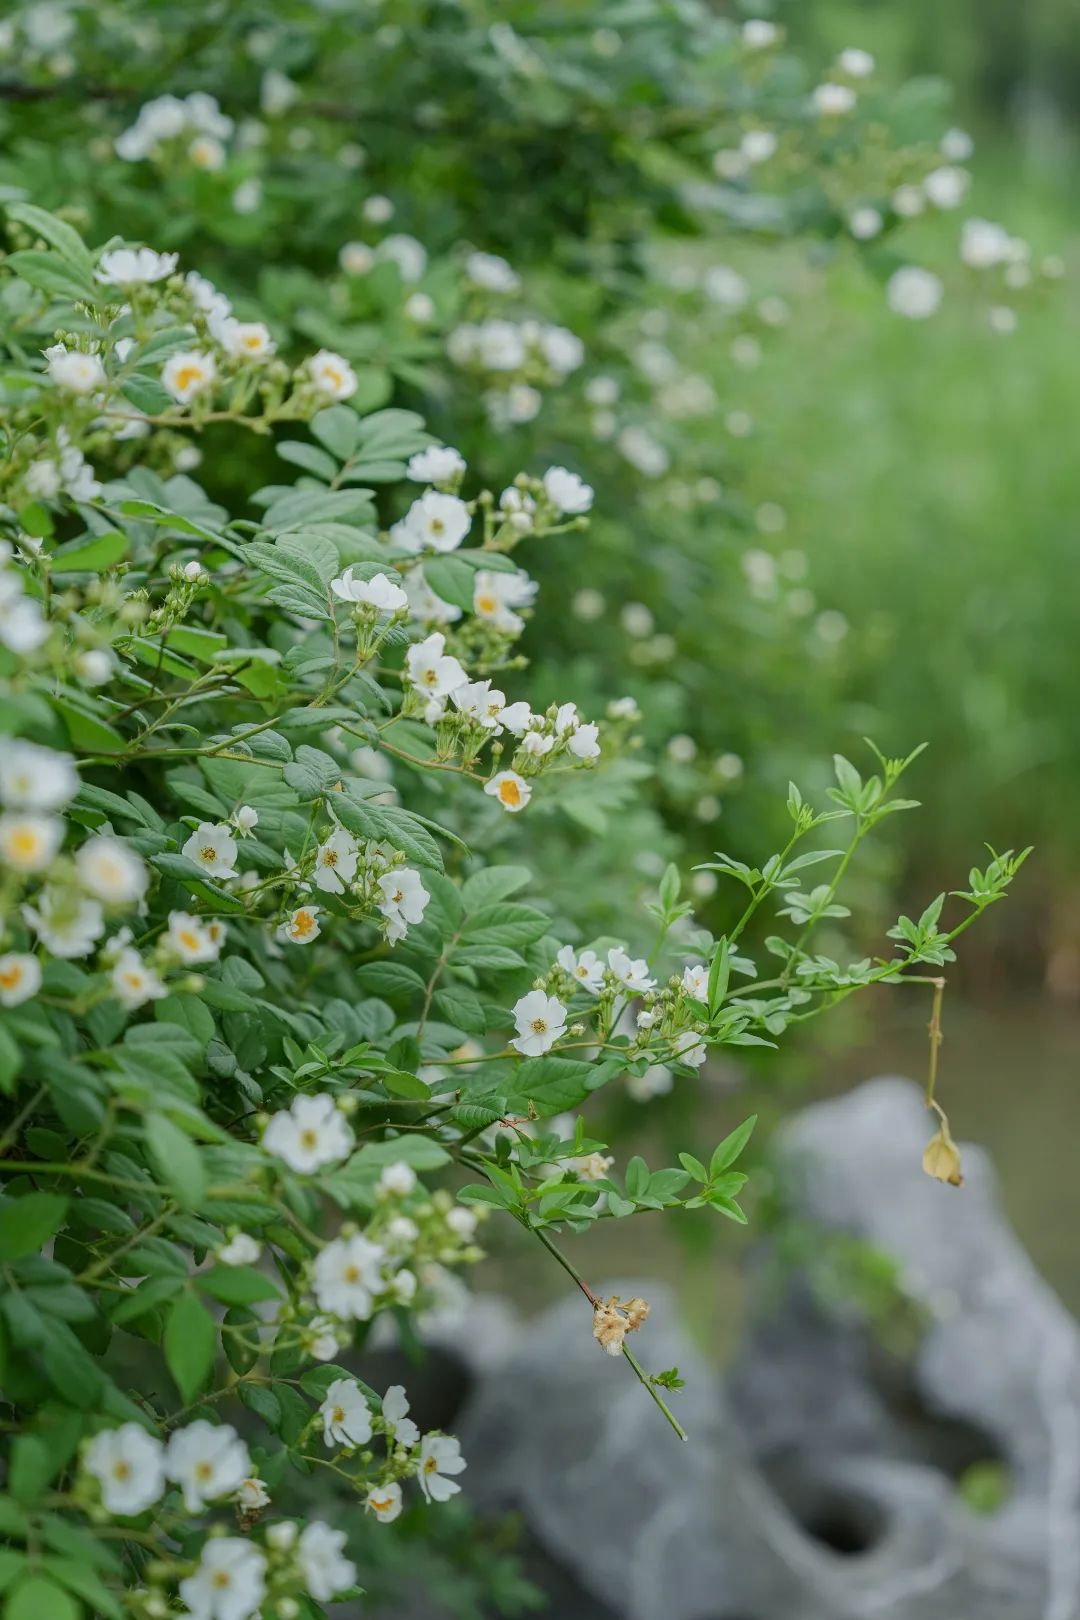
(436,1383)
(845,1521)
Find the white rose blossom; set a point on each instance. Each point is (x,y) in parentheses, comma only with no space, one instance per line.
(213,847)
(325,1570)
(129,1466)
(66,925)
(399,1426)
(404,900)
(310,1134)
(345,1414)
(510,789)
(230,1582)
(133,267)
(631,972)
(335,862)
(435,522)
(540,1020)
(28,842)
(20,978)
(586,967)
(207,1461)
(378,592)
(438,464)
(331,375)
(346,1276)
(440,1457)
(566,491)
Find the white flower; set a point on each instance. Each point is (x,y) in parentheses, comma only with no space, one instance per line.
(493,273)
(28,842)
(397,1180)
(947,187)
(511,790)
(644,452)
(758,145)
(207,153)
(423,602)
(726,286)
(437,521)
(247,197)
(631,972)
(20,978)
(832,100)
(378,592)
(277,92)
(320,1339)
(241,1250)
(94,666)
(440,1455)
(908,201)
(319,1552)
(230,1582)
(857,64)
(252,1495)
(355,258)
(865,223)
(205,296)
(345,1414)
(404,900)
(335,863)
(583,742)
(384,1501)
(400,1428)
(480,701)
(593,1167)
(129,1465)
(655,1082)
(191,939)
(562,349)
(345,1276)
(75,371)
(759,34)
(586,968)
(624,708)
(36,778)
(517,718)
(695,981)
(331,375)
(957,145)
(213,847)
(540,1021)
(311,1133)
(566,491)
(496,595)
(438,464)
(67,925)
(434,673)
(300,926)
(518,507)
(983,244)
(130,267)
(913,292)
(406,252)
(689,1048)
(207,1461)
(246,340)
(133,983)
(537,743)
(462,1222)
(188,373)
(110,870)
(377,210)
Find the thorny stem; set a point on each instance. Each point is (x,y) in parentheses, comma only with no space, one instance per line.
(936,1038)
(641,1374)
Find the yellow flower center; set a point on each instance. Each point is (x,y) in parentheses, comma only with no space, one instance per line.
(381,1503)
(11,976)
(204,1471)
(208,853)
(309,1139)
(25,842)
(351,1274)
(487,604)
(188,939)
(509,793)
(338,1415)
(333,376)
(302,924)
(121,1469)
(539,1026)
(188,376)
(221,1579)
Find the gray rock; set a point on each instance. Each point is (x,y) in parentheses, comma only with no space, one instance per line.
(810,1490)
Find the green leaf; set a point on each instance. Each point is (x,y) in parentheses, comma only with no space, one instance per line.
(88,734)
(92,556)
(731,1147)
(51,274)
(10,1061)
(177,1160)
(38,1598)
(190,1337)
(59,235)
(27,1223)
(237,1285)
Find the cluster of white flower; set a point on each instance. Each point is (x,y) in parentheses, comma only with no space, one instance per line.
(431,1459)
(194,122)
(517,358)
(209,1463)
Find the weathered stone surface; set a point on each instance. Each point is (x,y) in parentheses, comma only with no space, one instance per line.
(829,1498)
